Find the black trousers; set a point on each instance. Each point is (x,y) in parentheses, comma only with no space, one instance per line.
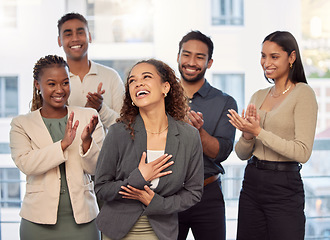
(271,205)
(207,218)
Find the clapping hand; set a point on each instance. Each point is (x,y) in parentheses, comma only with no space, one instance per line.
(95,100)
(195,119)
(248,122)
(86,135)
(70,132)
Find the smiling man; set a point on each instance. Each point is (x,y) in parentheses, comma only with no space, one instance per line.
(209,108)
(92,84)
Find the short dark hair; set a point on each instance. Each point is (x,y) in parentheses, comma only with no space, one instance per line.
(289,44)
(70,16)
(197,35)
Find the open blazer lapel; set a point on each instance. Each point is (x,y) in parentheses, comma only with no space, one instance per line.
(172,142)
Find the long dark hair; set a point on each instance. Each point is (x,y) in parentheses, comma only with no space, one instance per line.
(175,101)
(289,44)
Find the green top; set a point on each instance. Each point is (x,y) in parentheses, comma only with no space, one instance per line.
(56,129)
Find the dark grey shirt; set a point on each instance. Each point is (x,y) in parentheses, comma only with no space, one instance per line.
(214,105)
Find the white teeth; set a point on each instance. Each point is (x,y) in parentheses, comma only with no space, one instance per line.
(143,92)
(269,71)
(58,98)
(77,46)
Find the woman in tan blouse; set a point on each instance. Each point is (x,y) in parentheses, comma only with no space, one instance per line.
(278,129)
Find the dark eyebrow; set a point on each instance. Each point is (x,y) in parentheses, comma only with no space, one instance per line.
(67,30)
(53,80)
(70,30)
(201,54)
(144,73)
(50,80)
(272,53)
(147,73)
(185,51)
(198,54)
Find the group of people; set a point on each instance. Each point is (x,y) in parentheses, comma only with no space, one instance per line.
(142,160)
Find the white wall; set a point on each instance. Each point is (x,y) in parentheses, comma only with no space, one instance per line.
(237,49)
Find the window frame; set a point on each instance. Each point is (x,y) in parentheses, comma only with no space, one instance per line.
(6,182)
(228,18)
(240,100)
(4,109)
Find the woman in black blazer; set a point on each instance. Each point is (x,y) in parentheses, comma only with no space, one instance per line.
(151,164)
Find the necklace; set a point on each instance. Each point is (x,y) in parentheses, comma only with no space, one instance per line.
(157,132)
(279,94)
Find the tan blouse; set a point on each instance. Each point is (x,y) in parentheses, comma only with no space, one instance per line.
(287,132)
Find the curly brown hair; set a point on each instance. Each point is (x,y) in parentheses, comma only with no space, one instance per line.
(175,101)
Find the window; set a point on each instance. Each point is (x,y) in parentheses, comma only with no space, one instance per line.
(4,148)
(120,21)
(227,12)
(232,84)
(10,187)
(321,87)
(8,96)
(8,14)
(121,66)
(231,182)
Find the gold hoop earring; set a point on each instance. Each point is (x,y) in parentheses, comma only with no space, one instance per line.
(133,104)
(165,95)
(291,65)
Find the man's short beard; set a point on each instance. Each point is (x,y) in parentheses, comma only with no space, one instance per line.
(195,79)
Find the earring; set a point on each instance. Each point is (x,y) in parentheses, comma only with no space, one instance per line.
(165,95)
(133,104)
(291,65)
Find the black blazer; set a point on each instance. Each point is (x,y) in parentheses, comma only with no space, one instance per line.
(118,165)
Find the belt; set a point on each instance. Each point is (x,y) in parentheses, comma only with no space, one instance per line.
(211,179)
(275,166)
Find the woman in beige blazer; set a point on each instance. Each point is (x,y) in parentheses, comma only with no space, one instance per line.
(56,147)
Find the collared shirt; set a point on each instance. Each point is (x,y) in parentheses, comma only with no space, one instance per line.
(214,105)
(112,98)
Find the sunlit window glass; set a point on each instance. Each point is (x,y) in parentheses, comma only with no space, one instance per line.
(10,187)
(8,14)
(8,96)
(121,21)
(227,12)
(232,84)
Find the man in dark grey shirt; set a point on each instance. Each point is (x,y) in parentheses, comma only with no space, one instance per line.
(209,108)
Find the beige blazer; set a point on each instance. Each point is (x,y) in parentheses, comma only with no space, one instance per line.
(35,154)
